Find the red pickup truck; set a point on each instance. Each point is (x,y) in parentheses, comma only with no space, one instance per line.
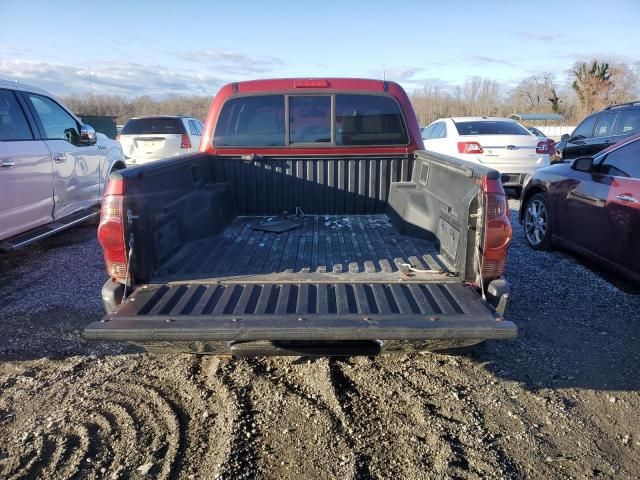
(311,222)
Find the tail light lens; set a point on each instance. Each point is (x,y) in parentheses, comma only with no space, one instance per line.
(498,235)
(111,230)
(185,141)
(470,147)
(542,147)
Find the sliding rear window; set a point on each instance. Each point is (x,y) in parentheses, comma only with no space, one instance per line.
(331,119)
(159,125)
(488,127)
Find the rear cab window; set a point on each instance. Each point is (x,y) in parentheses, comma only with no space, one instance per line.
(490,127)
(150,125)
(369,120)
(311,119)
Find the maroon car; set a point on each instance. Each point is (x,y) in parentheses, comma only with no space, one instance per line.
(591,206)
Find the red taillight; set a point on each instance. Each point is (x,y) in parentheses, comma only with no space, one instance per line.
(111,230)
(185,141)
(498,235)
(470,147)
(542,147)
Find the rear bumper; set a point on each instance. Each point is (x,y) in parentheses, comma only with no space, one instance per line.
(288,335)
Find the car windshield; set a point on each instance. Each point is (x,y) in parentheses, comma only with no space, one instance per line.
(490,127)
(160,125)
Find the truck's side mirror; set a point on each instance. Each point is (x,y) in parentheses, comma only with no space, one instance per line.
(583,164)
(87,135)
(565,137)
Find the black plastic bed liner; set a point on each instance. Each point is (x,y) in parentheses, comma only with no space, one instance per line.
(353,244)
(334,280)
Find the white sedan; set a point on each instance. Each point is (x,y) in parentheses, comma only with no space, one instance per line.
(499,143)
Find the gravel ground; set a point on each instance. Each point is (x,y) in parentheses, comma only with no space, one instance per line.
(561,401)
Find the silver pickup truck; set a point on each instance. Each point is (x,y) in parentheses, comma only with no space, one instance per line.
(52,166)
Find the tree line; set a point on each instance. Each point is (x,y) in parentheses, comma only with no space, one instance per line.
(588,87)
(124,108)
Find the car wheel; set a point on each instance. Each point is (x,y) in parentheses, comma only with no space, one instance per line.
(537,222)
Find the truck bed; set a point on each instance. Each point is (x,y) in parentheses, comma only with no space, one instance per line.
(344,281)
(351,244)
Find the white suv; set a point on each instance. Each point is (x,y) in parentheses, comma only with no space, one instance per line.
(499,143)
(52,166)
(145,139)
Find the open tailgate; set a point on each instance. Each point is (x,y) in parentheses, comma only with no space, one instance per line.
(229,316)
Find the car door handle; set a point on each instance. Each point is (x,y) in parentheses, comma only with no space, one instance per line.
(102,147)
(625,197)
(7,163)
(59,157)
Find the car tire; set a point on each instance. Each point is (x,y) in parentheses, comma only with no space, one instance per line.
(537,222)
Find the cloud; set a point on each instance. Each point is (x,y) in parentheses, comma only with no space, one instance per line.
(435,82)
(232,62)
(539,36)
(480,60)
(114,78)
(9,49)
(396,74)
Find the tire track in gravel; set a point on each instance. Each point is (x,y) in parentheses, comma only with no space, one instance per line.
(259,369)
(345,391)
(454,428)
(243,457)
(85,429)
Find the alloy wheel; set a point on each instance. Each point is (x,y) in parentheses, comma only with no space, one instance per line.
(536,222)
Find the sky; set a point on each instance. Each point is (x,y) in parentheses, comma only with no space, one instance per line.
(193,47)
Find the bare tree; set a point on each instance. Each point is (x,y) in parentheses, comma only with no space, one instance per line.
(536,93)
(592,83)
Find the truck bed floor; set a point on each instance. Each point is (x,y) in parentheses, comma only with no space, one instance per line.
(366,244)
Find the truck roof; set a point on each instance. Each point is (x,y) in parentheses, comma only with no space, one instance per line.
(315,83)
